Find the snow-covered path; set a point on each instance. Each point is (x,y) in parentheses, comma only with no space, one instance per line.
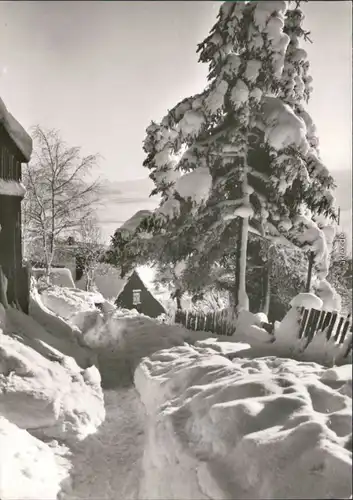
(107,464)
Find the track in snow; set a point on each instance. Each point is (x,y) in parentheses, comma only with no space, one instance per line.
(107,465)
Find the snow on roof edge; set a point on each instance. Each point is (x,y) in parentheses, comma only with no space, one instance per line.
(16,132)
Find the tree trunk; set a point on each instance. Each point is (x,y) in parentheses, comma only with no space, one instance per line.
(235,291)
(310,272)
(178,301)
(243,300)
(177,296)
(47,259)
(267,288)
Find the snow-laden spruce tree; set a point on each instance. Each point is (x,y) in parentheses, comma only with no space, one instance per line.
(237,151)
(315,226)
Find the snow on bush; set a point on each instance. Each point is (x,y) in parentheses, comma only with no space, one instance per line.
(29,468)
(41,388)
(59,276)
(262,428)
(329,296)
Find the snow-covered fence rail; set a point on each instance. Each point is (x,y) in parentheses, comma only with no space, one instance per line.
(334,326)
(219,322)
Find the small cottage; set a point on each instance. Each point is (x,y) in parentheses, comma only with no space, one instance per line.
(135,295)
(15,149)
(129,293)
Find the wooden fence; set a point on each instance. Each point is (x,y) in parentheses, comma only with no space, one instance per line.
(331,324)
(219,322)
(312,322)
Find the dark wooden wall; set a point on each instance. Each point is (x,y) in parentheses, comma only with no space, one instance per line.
(10,157)
(10,218)
(149,305)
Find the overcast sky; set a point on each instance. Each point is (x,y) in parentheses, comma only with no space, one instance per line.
(101,71)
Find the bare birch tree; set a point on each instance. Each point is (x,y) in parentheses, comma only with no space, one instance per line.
(90,249)
(58,197)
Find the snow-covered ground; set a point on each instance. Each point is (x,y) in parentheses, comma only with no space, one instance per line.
(216,419)
(244,429)
(107,464)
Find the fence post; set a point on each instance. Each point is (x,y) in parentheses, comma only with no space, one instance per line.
(303,323)
(203,322)
(345,329)
(321,321)
(349,348)
(338,329)
(331,326)
(326,321)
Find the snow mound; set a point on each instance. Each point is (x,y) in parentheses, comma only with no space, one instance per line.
(17,133)
(70,302)
(29,468)
(45,326)
(307,300)
(124,337)
(247,429)
(59,276)
(42,389)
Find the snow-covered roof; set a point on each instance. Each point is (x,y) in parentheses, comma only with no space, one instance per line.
(16,132)
(111,285)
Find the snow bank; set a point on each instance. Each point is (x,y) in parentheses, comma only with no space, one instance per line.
(247,429)
(17,133)
(69,302)
(45,326)
(119,338)
(124,337)
(42,389)
(29,468)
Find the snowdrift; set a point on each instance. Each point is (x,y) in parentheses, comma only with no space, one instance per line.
(118,338)
(41,389)
(123,338)
(29,468)
(261,428)
(48,327)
